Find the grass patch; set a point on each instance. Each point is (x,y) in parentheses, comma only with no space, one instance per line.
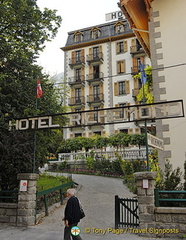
(47,181)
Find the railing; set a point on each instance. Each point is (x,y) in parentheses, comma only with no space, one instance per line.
(9,195)
(139,154)
(95,57)
(95,98)
(94,77)
(76,101)
(77,60)
(76,80)
(159,201)
(136,49)
(60,188)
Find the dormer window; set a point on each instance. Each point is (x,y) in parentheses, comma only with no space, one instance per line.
(119,28)
(95,33)
(78,37)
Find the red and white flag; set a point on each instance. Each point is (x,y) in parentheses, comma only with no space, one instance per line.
(39,89)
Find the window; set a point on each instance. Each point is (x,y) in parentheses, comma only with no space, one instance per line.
(78,56)
(95,52)
(121,67)
(98,133)
(124,131)
(96,71)
(121,47)
(95,33)
(122,88)
(78,74)
(78,37)
(77,135)
(121,115)
(96,92)
(96,114)
(119,28)
(77,95)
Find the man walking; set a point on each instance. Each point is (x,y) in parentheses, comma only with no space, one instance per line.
(72,215)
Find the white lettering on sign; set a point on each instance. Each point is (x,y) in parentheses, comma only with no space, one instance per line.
(32,123)
(163,110)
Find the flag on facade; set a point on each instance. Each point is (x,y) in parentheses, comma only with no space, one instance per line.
(143,74)
(39,89)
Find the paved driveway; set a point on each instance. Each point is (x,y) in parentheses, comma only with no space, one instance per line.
(97,197)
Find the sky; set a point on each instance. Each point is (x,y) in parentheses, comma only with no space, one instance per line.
(76,14)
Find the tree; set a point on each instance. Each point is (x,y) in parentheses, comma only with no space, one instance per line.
(24,28)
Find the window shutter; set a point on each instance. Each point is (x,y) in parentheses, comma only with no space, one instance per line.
(103,133)
(142,59)
(130,130)
(91,90)
(116,105)
(82,55)
(83,74)
(116,90)
(127,85)
(72,135)
(116,131)
(118,67)
(101,89)
(72,92)
(117,48)
(73,57)
(122,66)
(90,134)
(137,130)
(84,134)
(102,119)
(136,84)
(90,70)
(125,46)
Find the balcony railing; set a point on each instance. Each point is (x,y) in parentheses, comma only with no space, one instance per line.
(136,69)
(136,49)
(77,61)
(77,80)
(95,98)
(76,101)
(99,76)
(92,58)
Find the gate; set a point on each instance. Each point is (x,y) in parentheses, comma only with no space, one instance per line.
(126,212)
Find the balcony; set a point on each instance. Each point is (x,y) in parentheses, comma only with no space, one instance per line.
(136,69)
(77,61)
(77,80)
(136,49)
(75,101)
(95,58)
(95,77)
(95,98)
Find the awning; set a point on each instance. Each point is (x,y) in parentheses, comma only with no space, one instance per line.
(137,14)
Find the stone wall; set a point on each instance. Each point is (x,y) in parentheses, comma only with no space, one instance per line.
(22,213)
(8,213)
(157,221)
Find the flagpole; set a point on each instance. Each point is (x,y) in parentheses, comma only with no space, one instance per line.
(35,137)
(143,79)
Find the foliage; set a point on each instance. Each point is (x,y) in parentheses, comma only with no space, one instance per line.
(171,178)
(47,181)
(24,28)
(145,92)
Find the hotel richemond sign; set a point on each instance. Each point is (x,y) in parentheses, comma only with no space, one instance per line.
(133,113)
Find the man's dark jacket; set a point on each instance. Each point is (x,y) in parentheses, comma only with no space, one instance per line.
(72,210)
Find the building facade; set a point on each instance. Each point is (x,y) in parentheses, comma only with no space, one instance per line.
(164,38)
(99,64)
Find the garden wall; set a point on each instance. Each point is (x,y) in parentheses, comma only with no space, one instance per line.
(157,221)
(8,213)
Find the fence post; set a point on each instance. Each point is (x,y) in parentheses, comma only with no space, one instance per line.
(156,195)
(116,212)
(145,182)
(27,199)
